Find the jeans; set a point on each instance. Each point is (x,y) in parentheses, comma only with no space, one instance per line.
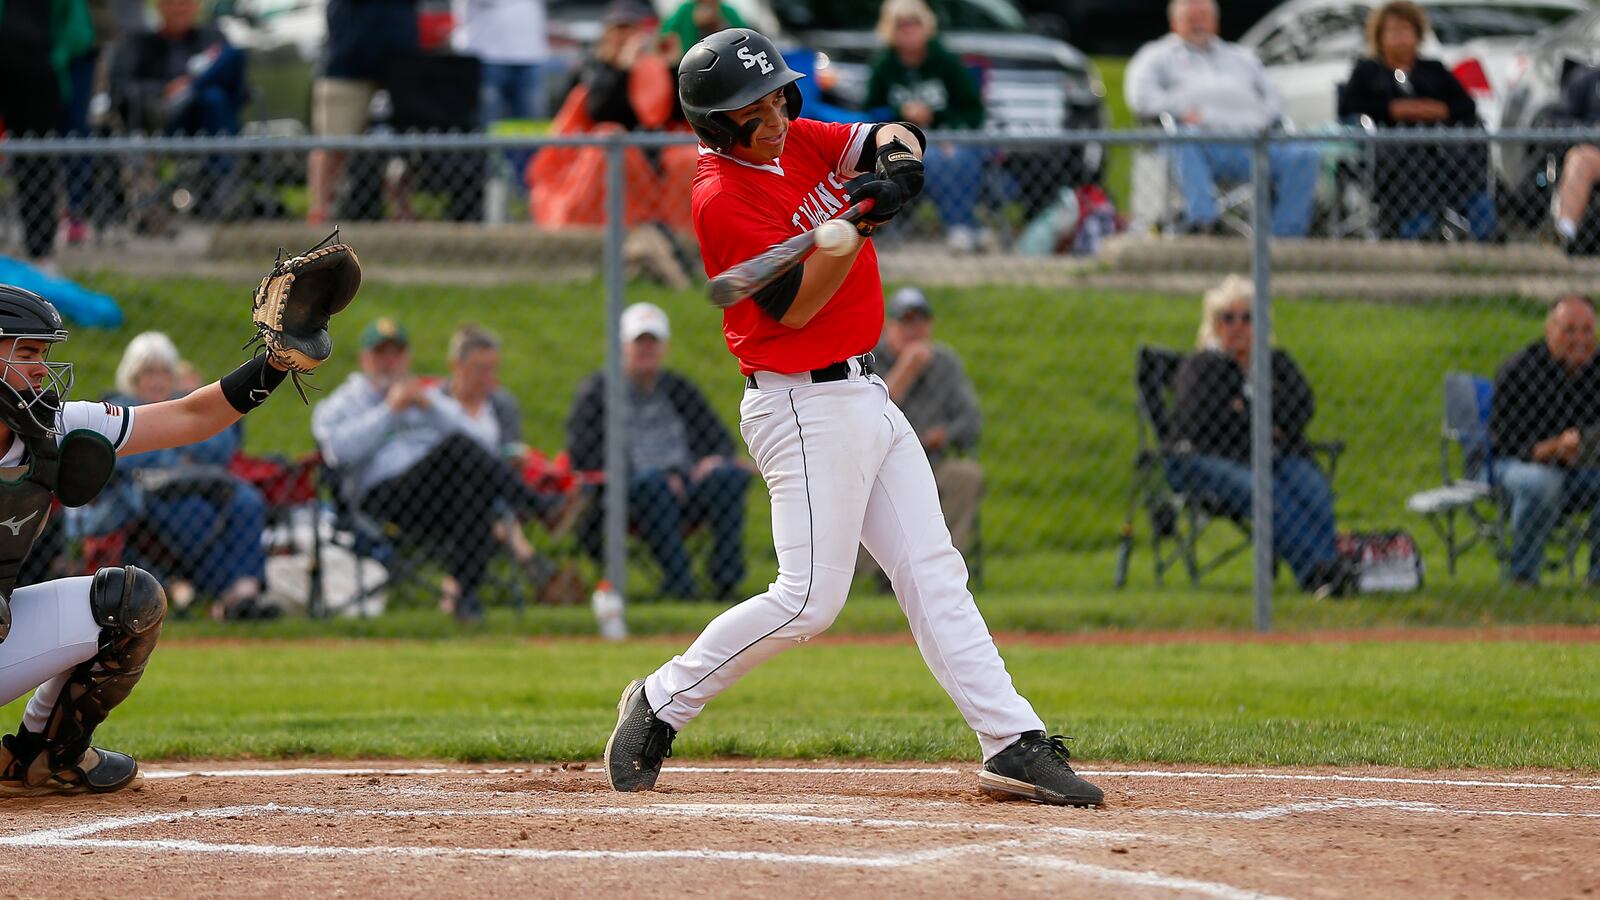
(512,92)
(1294,169)
(449,498)
(955,178)
(1539,495)
(1303,530)
(236,552)
(1479,210)
(716,501)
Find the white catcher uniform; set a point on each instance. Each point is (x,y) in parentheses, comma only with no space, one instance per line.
(52,628)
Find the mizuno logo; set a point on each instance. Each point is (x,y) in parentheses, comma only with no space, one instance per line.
(16,526)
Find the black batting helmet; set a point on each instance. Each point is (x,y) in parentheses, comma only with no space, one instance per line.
(728,70)
(28,316)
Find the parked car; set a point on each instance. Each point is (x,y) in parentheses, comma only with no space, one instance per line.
(1122,26)
(1031,84)
(1539,70)
(1309,46)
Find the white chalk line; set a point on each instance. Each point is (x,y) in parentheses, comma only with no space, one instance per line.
(595,771)
(305,772)
(744,812)
(1360,779)
(1407,806)
(78,837)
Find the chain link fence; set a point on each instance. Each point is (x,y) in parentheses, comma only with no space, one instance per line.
(1077,320)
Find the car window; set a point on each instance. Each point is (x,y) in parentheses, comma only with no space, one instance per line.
(1281,46)
(855,15)
(1335,32)
(1459,24)
(979,15)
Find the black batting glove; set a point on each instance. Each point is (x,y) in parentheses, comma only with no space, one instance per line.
(898,164)
(887,200)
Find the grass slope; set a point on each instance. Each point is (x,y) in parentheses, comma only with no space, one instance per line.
(1443,705)
(1053,370)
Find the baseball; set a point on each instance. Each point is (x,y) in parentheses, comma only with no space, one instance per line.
(837,237)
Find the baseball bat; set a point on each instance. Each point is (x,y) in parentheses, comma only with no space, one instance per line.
(755,273)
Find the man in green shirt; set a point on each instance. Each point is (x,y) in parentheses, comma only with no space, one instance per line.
(695,19)
(922,82)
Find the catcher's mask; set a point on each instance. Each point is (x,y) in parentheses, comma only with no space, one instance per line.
(32,388)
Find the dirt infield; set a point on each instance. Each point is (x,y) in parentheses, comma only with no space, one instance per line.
(803,829)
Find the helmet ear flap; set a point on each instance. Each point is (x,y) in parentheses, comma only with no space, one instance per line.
(792,95)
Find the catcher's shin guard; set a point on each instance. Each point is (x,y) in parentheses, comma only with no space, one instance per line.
(128,603)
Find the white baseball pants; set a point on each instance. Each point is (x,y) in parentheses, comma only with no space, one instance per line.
(845,469)
(52,632)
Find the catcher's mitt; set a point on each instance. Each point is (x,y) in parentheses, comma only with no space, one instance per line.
(296,299)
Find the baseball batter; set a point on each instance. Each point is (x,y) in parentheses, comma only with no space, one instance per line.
(842,464)
(83,642)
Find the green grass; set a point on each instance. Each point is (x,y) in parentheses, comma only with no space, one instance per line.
(1440,705)
(1053,370)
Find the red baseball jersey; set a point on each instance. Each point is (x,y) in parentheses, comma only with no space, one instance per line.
(741,209)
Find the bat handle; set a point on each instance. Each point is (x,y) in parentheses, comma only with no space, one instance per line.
(858,211)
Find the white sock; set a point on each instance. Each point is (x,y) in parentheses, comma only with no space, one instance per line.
(1566,227)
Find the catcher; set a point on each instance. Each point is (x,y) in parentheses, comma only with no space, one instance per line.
(83,642)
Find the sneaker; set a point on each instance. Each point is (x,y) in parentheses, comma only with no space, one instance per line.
(1035,768)
(24,769)
(639,744)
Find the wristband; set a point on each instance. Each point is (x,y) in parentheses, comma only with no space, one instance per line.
(248,386)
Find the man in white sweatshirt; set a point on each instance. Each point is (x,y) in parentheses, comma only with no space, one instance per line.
(1206,83)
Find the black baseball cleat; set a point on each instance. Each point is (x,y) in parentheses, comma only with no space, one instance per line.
(639,744)
(1035,768)
(25,770)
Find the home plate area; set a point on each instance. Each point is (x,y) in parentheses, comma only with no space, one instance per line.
(802,829)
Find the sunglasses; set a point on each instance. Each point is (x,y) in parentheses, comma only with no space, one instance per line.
(1230,317)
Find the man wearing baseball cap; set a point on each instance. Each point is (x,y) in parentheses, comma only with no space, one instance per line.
(680,458)
(930,385)
(406,453)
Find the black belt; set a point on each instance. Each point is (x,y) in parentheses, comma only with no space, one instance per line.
(838,371)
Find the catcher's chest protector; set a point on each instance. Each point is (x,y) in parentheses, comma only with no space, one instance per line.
(25,502)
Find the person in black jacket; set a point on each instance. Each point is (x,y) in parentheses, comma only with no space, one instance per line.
(1546,399)
(680,459)
(1395,88)
(1210,452)
(1580,167)
(184,78)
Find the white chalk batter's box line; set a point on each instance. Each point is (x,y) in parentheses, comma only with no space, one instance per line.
(306,772)
(1009,853)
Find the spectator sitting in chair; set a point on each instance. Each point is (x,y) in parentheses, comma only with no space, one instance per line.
(1395,88)
(1204,82)
(185,79)
(627,84)
(921,82)
(1580,167)
(680,462)
(474,383)
(1210,456)
(927,381)
(187,496)
(1541,420)
(408,454)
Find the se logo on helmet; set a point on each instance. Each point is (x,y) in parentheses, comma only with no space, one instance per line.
(751,60)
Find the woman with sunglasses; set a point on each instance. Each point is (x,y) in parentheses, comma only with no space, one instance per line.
(1210,452)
